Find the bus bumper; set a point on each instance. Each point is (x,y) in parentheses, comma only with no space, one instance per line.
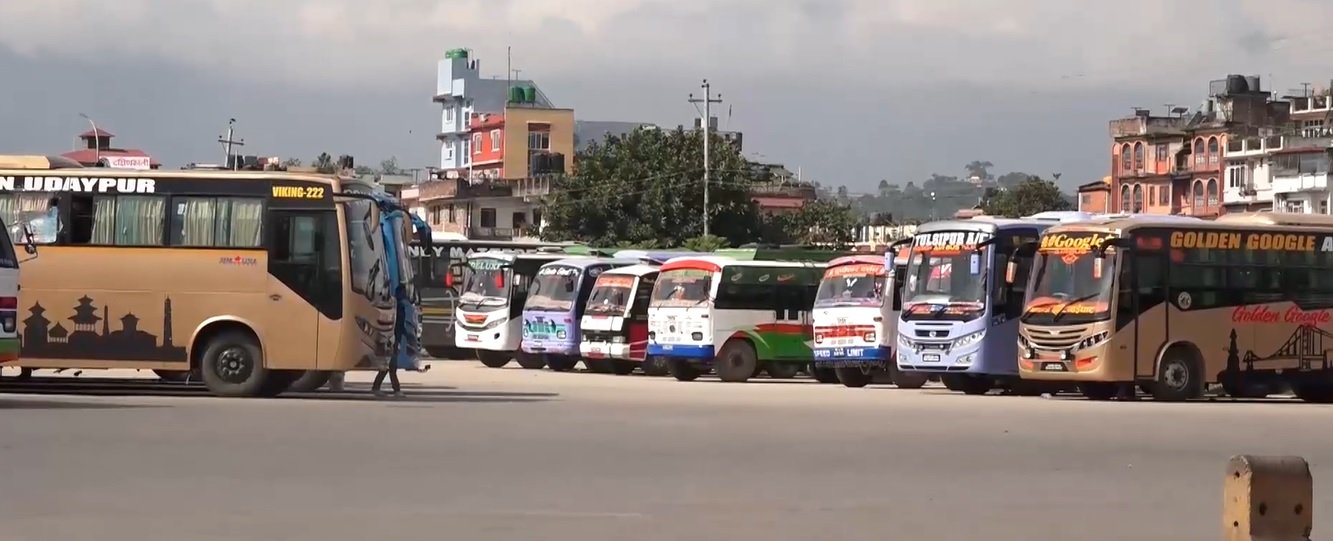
(604,350)
(969,361)
(697,352)
(550,347)
(860,356)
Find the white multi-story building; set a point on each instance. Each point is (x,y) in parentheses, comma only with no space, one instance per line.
(462,92)
(1249,179)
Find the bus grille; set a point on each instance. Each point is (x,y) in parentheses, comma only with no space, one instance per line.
(1055,338)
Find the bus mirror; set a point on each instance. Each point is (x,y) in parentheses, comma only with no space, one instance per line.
(1010,272)
(1097,263)
(29,242)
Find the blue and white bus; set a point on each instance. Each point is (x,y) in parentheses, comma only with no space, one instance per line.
(959,317)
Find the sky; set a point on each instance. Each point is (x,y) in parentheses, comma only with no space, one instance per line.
(847,91)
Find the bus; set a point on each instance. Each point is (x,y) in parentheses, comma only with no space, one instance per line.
(738,317)
(1172,306)
(856,317)
(9,286)
(615,321)
(490,307)
(959,317)
(439,277)
(248,278)
(554,310)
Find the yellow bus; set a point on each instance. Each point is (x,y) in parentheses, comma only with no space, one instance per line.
(247,278)
(1175,304)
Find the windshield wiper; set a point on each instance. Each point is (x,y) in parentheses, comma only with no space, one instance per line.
(1056,316)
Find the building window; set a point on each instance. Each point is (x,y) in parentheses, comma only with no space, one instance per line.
(453,217)
(1199,157)
(476,143)
(1198,195)
(519,220)
(1236,177)
(1152,195)
(1085,202)
(488,217)
(1323,206)
(495,140)
(1125,163)
(1124,199)
(1214,153)
(1164,195)
(539,140)
(1162,154)
(1212,192)
(1312,128)
(448,152)
(1138,156)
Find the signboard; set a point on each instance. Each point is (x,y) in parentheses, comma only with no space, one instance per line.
(128,162)
(948,242)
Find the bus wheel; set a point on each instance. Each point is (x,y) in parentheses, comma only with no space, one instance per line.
(279,381)
(561,363)
(967,384)
(598,366)
(1240,389)
(908,380)
(528,361)
(736,362)
(233,365)
(311,381)
(495,359)
(655,366)
(852,376)
(622,367)
(1098,390)
(173,376)
(779,370)
(1319,393)
(1178,378)
(951,383)
(682,370)
(823,374)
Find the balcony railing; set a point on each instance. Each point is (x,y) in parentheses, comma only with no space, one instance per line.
(500,233)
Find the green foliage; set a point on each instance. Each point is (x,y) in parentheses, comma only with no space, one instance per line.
(939,197)
(1028,197)
(823,221)
(291,162)
(647,186)
(710,243)
(323,163)
(390,166)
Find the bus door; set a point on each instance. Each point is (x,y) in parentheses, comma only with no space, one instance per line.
(1141,302)
(636,324)
(438,281)
(305,257)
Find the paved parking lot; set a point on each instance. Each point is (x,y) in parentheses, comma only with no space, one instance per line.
(480,454)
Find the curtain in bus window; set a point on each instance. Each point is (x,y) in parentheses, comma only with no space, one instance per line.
(104,216)
(139,220)
(30,208)
(196,215)
(246,217)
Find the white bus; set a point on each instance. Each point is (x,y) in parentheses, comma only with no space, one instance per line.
(738,317)
(9,287)
(615,320)
(490,307)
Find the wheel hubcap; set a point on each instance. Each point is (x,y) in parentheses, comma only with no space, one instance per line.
(1175,376)
(234,365)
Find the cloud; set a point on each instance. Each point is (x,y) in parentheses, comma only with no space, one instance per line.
(358,44)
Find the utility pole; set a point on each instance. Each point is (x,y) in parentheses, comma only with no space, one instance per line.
(228,142)
(708,100)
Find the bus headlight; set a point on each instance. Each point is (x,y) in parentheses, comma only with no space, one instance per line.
(1093,340)
(560,335)
(903,342)
(969,339)
(698,336)
(966,360)
(617,339)
(869,336)
(819,338)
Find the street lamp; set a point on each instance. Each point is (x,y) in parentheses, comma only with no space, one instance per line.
(97,139)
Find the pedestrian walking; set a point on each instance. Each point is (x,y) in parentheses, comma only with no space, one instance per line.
(392,372)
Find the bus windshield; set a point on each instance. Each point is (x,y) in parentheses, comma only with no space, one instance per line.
(610,295)
(682,287)
(852,285)
(555,289)
(1069,288)
(486,284)
(946,276)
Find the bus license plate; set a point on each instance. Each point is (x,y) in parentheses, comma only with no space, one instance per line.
(473,338)
(931,358)
(1053,367)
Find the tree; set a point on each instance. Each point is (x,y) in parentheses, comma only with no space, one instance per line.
(1029,197)
(323,163)
(884,187)
(390,166)
(647,186)
(825,222)
(842,193)
(1009,181)
(709,243)
(979,169)
(291,162)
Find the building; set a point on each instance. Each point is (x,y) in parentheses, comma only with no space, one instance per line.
(1095,196)
(1298,161)
(777,191)
(1176,164)
(98,152)
(462,92)
(587,132)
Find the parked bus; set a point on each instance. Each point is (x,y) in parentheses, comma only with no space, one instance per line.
(9,285)
(959,317)
(615,321)
(554,309)
(1173,305)
(439,277)
(739,317)
(490,308)
(248,278)
(856,318)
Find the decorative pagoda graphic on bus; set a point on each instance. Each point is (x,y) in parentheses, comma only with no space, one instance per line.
(90,336)
(1306,345)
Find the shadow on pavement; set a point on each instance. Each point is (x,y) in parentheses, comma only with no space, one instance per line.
(418,396)
(7,403)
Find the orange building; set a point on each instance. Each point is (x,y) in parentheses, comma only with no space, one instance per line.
(1095,196)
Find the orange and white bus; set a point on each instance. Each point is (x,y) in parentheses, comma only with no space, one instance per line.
(248,278)
(1174,304)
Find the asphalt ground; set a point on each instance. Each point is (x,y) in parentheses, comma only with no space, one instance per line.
(478,454)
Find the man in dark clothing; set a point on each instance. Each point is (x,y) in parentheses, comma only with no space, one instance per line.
(392,372)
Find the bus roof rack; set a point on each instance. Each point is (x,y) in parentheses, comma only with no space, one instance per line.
(16,161)
(1276,218)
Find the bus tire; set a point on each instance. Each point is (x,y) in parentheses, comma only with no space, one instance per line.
(779,370)
(1098,390)
(736,362)
(622,367)
(494,359)
(1314,392)
(655,366)
(233,366)
(561,363)
(852,376)
(311,381)
(599,366)
(908,380)
(968,384)
(951,383)
(1178,377)
(528,361)
(279,381)
(823,374)
(682,370)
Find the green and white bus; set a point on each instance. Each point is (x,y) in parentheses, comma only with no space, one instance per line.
(737,317)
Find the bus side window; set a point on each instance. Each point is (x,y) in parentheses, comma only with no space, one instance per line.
(1151,272)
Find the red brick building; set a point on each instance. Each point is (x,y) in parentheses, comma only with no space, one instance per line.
(98,152)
